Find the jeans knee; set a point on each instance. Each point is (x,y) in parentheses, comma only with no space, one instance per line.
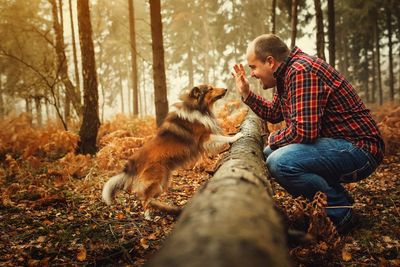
(273,162)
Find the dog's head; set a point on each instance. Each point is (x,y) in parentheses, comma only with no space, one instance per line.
(202,97)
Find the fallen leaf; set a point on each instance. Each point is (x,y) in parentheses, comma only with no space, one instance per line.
(81,256)
(41,239)
(144,243)
(346,255)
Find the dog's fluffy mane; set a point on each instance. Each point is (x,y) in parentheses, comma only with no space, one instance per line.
(193,115)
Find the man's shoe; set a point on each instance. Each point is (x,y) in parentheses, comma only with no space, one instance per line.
(348,223)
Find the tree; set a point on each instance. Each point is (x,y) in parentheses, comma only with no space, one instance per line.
(76,68)
(273,15)
(160,85)
(376,35)
(294,23)
(62,61)
(390,44)
(90,122)
(331,32)
(320,30)
(134,70)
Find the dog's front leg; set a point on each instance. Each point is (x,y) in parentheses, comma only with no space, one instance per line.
(225,139)
(216,142)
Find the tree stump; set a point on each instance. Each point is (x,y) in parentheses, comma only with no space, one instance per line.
(231,221)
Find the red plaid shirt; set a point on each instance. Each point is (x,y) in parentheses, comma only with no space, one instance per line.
(316,101)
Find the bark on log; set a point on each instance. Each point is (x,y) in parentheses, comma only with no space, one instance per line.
(231,221)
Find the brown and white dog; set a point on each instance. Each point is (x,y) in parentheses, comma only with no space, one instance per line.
(189,130)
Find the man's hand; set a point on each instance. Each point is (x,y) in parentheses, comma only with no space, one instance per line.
(242,84)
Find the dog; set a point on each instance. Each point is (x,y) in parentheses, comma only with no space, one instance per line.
(189,130)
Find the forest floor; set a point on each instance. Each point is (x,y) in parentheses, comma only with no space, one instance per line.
(51,211)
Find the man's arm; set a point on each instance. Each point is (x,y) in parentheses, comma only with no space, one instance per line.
(266,110)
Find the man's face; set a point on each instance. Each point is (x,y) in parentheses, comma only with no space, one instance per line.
(262,70)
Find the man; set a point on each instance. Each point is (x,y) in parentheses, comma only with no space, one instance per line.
(330,137)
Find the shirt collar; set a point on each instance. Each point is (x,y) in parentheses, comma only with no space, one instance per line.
(282,68)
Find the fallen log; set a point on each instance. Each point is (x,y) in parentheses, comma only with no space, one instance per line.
(231,221)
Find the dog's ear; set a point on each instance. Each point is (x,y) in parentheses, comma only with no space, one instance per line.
(195,92)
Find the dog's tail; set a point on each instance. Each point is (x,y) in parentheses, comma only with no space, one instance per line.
(164,207)
(119,182)
(113,185)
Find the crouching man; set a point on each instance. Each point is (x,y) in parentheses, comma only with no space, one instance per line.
(330,137)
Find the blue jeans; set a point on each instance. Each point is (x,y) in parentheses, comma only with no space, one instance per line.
(305,169)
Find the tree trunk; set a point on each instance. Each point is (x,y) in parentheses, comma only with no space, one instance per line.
(378,58)
(62,61)
(38,107)
(320,29)
(132,32)
(160,84)
(294,23)
(67,99)
(374,79)
(2,108)
(206,46)
(366,73)
(273,15)
(76,68)
(144,87)
(190,67)
(390,44)
(331,32)
(231,221)
(90,122)
(121,90)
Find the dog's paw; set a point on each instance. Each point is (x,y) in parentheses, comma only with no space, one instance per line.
(237,136)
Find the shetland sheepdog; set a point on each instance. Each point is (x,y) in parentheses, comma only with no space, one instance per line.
(189,130)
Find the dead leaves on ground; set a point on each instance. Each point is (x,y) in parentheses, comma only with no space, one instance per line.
(51,213)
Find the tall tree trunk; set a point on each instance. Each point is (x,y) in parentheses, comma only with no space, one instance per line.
(320,29)
(144,87)
(90,123)
(273,15)
(331,32)
(28,106)
(38,107)
(67,99)
(374,79)
(160,84)
(129,83)
(62,61)
(190,67)
(121,90)
(62,66)
(378,58)
(206,46)
(294,23)
(366,72)
(76,68)
(2,108)
(390,44)
(134,70)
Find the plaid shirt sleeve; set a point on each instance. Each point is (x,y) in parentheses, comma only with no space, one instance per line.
(305,105)
(266,110)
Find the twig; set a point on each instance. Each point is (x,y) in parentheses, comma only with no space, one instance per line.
(395,207)
(112,232)
(339,207)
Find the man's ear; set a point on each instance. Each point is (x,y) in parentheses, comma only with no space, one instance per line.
(195,92)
